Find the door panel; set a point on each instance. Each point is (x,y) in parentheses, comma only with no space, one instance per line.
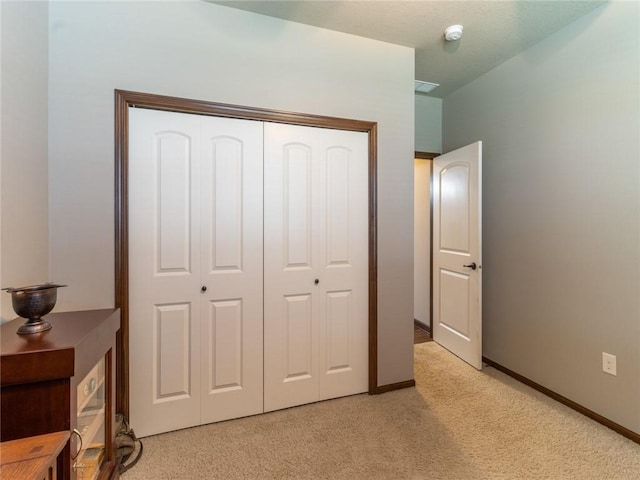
(226,204)
(454,182)
(457,252)
(316,237)
(173,157)
(344,269)
(195,230)
(291,236)
(298,342)
(172,352)
(296,228)
(339,325)
(164,271)
(231,219)
(338,206)
(454,303)
(225,335)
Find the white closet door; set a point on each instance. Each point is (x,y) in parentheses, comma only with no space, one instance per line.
(194,221)
(316,264)
(231,236)
(164,271)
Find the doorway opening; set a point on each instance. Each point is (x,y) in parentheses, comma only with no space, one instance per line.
(422,251)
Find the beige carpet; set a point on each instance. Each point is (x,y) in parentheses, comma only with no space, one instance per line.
(457,424)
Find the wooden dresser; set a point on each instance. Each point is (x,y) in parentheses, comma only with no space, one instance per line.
(63,380)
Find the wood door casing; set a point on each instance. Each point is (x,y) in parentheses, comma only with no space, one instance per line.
(126,99)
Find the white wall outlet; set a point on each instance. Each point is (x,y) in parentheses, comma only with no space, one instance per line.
(609,363)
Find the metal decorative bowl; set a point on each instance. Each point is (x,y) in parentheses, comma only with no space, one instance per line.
(33,303)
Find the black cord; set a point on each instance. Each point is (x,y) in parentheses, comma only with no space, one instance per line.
(126,430)
(123,468)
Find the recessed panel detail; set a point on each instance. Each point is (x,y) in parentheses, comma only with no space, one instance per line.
(297,206)
(226,238)
(339,325)
(338,206)
(297,310)
(173,203)
(225,330)
(455,208)
(172,351)
(455,302)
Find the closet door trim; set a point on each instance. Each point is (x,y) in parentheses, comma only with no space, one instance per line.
(124,100)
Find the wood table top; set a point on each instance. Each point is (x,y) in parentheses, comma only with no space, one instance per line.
(29,458)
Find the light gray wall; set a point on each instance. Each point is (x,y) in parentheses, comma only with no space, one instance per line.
(24,226)
(561,208)
(428,124)
(205,51)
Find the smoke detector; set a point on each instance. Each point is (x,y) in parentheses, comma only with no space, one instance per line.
(453,33)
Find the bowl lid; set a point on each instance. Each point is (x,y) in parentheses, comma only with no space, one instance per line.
(33,288)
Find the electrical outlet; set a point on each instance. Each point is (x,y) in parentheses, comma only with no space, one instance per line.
(609,363)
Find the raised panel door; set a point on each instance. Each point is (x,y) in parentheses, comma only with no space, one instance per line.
(316,260)
(195,257)
(231,252)
(457,252)
(164,270)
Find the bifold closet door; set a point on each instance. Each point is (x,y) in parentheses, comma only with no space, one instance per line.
(195,269)
(316,264)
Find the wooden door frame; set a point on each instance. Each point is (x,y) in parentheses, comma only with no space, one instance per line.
(125,99)
(429,156)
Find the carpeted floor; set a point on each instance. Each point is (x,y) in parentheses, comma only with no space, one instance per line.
(457,424)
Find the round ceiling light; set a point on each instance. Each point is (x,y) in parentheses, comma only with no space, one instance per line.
(453,33)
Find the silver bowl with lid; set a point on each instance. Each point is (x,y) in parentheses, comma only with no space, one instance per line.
(33,303)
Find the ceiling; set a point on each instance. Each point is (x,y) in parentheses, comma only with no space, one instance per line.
(494,31)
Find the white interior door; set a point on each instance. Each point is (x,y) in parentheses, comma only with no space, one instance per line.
(195,212)
(164,271)
(316,262)
(457,252)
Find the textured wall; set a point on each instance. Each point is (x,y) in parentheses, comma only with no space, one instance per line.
(428,124)
(24,226)
(205,51)
(561,208)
